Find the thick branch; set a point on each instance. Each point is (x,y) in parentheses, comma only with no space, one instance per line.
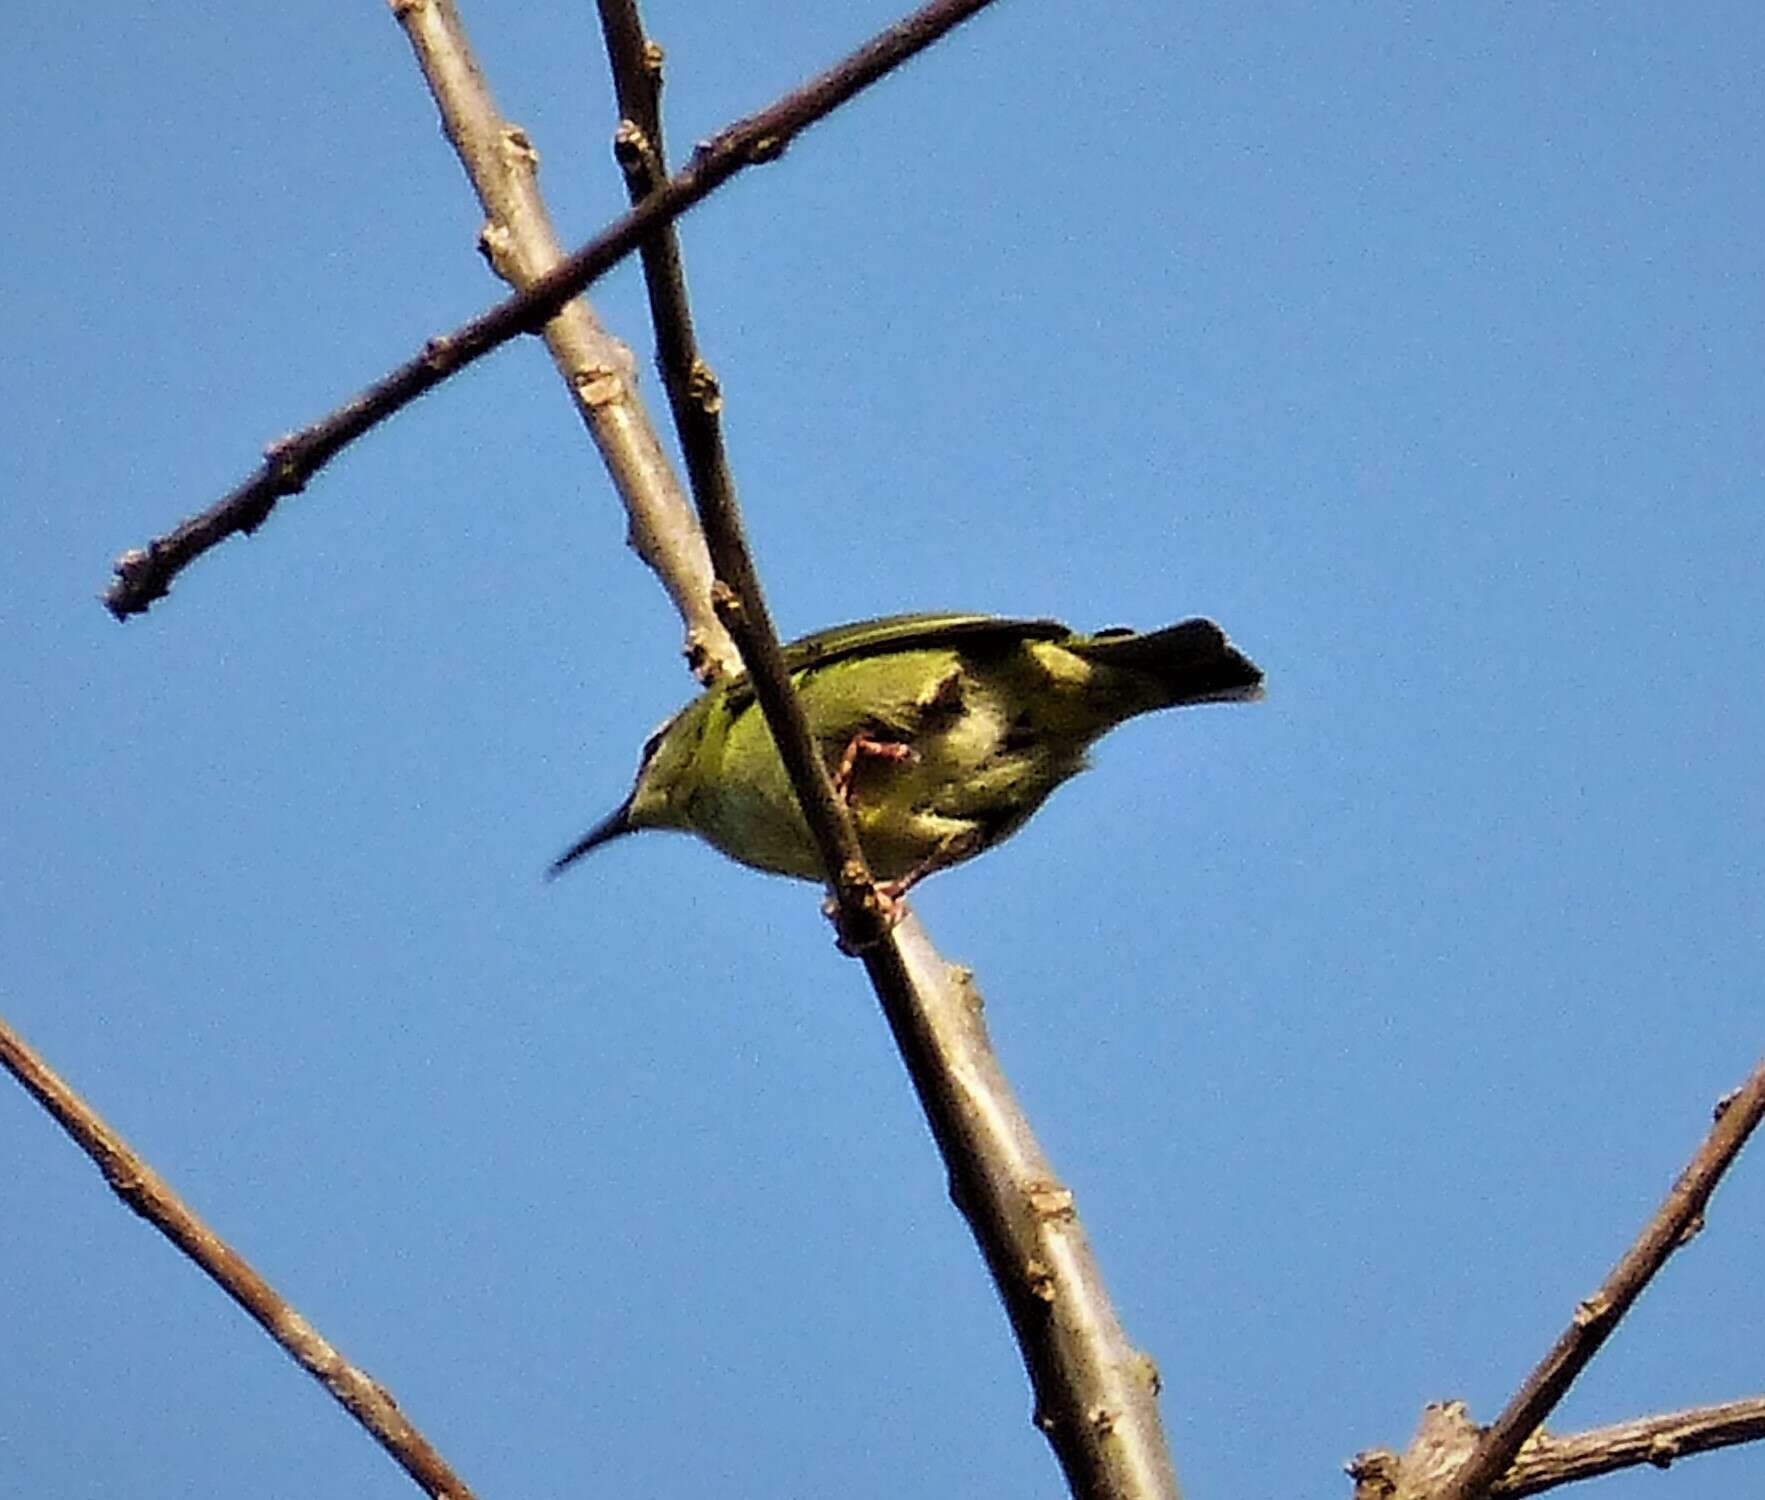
(1096,1395)
(145,574)
(149,1195)
(598,369)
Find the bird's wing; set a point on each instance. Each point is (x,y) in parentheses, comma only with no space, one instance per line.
(913,633)
(902,633)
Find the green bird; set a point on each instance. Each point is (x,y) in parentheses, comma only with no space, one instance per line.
(944,733)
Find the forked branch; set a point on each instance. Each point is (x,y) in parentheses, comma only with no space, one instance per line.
(146,573)
(1096,1395)
(1451,1459)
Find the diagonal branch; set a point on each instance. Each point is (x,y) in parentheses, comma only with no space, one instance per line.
(148,1194)
(1546,1461)
(598,370)
(1680,1216)
(145,574)
(697,402)
(1446,1436)
(1096,1395)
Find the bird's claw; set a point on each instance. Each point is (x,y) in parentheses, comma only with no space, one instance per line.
(861,745)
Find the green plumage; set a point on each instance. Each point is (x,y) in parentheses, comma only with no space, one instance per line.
(953,730)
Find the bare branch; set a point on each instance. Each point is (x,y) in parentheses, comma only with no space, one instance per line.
(696,402)
(1452,1459)
(1679,1217)
(1447,1436)
(150,1196)
(145,574)
(598,369)
(1096,1395)
(1547,1461)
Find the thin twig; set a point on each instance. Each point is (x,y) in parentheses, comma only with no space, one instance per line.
(1096,1395)
(1446,1437)
(144,574)
(696,402)
(1546,1462)
(150,1196)
(1679,1217)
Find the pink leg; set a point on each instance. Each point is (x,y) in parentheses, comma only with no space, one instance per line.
(862,744)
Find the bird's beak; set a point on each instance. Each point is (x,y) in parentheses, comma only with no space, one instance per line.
(616,822)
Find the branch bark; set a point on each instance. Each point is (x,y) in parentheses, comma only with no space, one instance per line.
(1452,1459)
(148,1194)
(598,370)
(1096,1395)
(1680,1216)
(1447,1436)
(144,574)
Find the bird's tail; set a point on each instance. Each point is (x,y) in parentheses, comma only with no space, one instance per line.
(1188,663)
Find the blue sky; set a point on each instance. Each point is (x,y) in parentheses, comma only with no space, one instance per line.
(1420,348)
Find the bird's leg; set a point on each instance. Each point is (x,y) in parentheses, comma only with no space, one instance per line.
(956,848)
(862,744)
(890,893)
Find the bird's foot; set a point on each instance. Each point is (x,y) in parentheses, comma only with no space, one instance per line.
(956,848)
(880,914)
(862,745)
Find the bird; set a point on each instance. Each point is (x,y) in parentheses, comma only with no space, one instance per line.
(944,733)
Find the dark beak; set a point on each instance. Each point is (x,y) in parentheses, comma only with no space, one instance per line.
(616,822)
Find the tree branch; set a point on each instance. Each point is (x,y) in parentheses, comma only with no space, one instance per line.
(1452,1459)
(1096,1395)
(597,368)
(145,574)
(1447,1435)
(149,1195)
(1545,1461)
(1680,1216)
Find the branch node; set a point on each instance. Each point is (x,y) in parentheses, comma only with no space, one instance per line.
(597,388)
(518,149)
(286,466)
(439,351)
(1592,1310)
(1663,1449)
(1051,1202)
(1374,1472)
(701,660)
(702,385)
(496,243)
(1146,1367)
(728,606)
(765,148)
(636,155)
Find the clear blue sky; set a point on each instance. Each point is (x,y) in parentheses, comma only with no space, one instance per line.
(1419,346)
